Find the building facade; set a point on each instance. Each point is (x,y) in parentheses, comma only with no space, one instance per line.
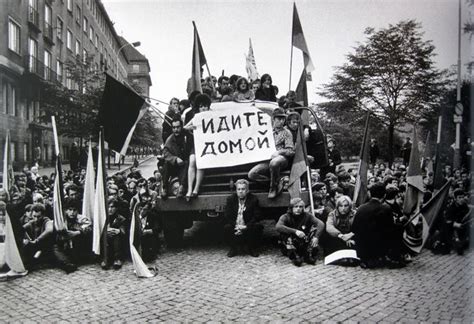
(38,37)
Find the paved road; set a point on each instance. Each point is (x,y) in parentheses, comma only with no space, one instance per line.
(199,283)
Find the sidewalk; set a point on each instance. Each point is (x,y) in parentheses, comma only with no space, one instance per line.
(110,171)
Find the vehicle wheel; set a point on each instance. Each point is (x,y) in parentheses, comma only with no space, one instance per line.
(173,231)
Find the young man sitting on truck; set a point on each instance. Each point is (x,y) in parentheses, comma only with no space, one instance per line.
(242,213)
(279,160)
(176,155)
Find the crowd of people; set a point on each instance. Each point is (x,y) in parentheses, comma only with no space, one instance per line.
(374,229)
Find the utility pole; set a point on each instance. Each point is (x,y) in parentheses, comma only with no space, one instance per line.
(458,109)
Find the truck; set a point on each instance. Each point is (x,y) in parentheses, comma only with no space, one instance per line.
(218,184)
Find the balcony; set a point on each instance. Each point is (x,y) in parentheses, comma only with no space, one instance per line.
(33,19)
(35,67)
(48,33)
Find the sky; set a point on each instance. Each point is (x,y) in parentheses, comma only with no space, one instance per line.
(332,29)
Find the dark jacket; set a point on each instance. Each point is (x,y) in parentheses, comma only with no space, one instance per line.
(177,147)
(167,125)
(266,94)
(289,224)
(251,213)
(372,223)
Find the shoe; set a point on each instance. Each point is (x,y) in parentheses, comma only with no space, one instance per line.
(180,192)
(164,194)
(70,267)
(272,193)
(117,264)
(280,186)
(194,195)
(253,253)
(310,260)
(104,265)
(298,261)
(188,197)
(232,253)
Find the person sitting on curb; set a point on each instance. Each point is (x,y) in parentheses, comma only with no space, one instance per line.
(241,215)
(115,236)
(279,159)
(299,233)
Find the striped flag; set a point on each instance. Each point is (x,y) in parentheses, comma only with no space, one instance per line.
(415,188)
(299,41)
(99,216)
(360,191)
(12,254)
(141,269)
(120,110)
(427,158)
(250,64)
(58,216)
(199,60)
(298,167)
(89,189)
(417,228)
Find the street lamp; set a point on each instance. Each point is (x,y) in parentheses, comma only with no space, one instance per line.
(134,44)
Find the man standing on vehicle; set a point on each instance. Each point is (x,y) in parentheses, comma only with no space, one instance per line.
(242,213)
(285,150)
(176,157)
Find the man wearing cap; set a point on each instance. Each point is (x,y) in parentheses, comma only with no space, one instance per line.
(279,159)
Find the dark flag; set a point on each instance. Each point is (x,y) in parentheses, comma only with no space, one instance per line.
(121,109)
(299,41)
(298,167)
(199,60)
(360,192)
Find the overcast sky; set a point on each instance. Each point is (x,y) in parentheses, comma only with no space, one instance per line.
(332,29)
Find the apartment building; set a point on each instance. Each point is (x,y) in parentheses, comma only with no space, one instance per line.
(38,37)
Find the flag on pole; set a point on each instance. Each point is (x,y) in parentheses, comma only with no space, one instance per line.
(299,41)
(427,158)
(89,189)
(415,189)
(418,227)
(141,269)
(58,216)
(12,253)
(120,110)
(250,64)
(199,60)
(298,167)
(302,97)
(99,215)
(360,191)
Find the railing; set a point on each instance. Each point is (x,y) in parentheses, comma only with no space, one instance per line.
(33,16)
(34,66)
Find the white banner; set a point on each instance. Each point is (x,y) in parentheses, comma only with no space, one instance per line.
(231,137)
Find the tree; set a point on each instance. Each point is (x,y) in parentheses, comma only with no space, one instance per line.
(75,107)
(392,75)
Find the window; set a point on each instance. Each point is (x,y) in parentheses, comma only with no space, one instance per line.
(78,15)
(59,71)
(5,97)
(85,24)
(13,36)
(26,150)
(84,56)
(78,48)
(9,98)
(59,28)
(47,65)
(69,40)
(91,33)
(13,151)
(68,81)
(69,6)
(48,22)
(135,68)
(96,41)
(33,55)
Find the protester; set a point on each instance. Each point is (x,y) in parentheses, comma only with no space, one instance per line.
(267,90)
(279,159)
(115,232)
(243,91)
(241,217)
(173,110)
(299,233)
(176,157)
